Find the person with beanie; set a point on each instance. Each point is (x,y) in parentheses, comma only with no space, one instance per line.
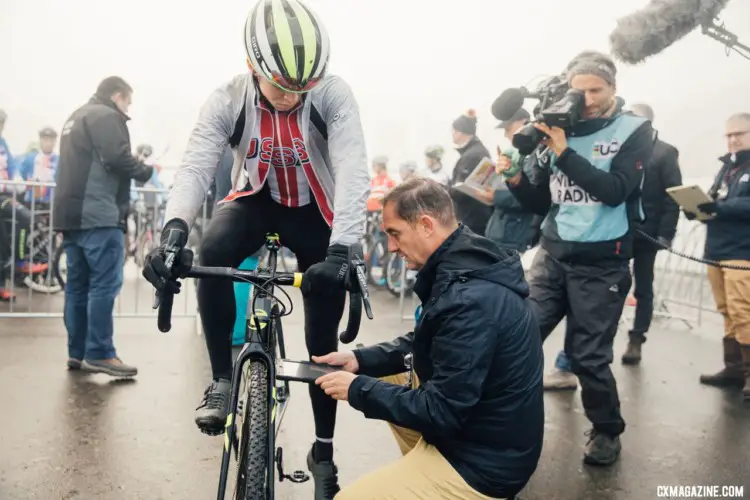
(587,186)
(469,210)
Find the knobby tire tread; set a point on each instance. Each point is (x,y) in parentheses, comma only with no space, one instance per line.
(256,426)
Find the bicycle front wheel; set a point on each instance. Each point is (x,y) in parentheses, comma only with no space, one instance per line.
(252,480)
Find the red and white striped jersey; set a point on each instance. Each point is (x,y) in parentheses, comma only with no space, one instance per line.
(277,150)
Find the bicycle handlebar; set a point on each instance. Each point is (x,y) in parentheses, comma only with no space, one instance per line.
(358,293)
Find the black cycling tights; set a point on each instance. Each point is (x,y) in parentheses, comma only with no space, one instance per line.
(238,230)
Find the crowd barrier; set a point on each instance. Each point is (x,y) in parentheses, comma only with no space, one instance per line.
(681,289)
(39,288)
(682,292)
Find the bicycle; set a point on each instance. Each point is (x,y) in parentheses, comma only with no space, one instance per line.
(375,245)
(258,371)
(40,241)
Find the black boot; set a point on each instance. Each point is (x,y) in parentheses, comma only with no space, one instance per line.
(601,449)
(745,349)
(632,354)
(732,375)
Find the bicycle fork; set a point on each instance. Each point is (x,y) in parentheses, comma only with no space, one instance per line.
(249,353)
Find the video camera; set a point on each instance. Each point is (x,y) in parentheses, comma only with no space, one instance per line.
(559,106)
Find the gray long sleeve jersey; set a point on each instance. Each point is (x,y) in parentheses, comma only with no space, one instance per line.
(336,152)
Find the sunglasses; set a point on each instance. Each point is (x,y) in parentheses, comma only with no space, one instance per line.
(290,86)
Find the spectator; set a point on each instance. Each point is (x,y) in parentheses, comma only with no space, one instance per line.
(380,184)
(728,242)
(470,211)
(511,226)
(407,170)
(41,166)
(10,208)
(91,206)
(469,417)
(662,213)
(434,159)
(8,168)
(587,184)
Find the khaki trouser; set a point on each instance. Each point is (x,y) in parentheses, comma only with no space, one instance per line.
(421,474)
(731,289)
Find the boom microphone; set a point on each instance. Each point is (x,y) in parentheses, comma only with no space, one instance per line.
(508,104)
(658,25)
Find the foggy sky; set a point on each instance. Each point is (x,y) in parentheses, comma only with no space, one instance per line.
(414,66)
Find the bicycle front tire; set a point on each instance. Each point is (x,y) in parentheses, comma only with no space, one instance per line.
(254,459)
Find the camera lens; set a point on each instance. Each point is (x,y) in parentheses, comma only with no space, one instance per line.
(527,139)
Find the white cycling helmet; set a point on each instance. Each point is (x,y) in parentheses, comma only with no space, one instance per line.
(286,43)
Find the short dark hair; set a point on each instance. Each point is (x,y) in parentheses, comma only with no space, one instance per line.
(419,196)
(113,85)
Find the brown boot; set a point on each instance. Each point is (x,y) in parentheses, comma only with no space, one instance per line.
(746,364)
(732,375)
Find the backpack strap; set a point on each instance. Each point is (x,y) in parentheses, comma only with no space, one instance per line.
(318,122)
(239,126)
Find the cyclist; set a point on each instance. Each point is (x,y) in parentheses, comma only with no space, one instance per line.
(41,166)
(380,184)
(300,170)
(434,159)
(407,170)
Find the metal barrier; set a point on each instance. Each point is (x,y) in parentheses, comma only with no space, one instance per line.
(681,288)
(43,269)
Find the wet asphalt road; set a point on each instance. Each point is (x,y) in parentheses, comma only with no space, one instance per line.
(68,436)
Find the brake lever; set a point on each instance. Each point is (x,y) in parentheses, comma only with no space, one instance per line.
(170,254)
(360,271)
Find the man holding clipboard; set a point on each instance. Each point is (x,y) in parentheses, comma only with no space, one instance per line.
(726,212)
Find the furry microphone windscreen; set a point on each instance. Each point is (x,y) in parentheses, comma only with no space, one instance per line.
(658,25)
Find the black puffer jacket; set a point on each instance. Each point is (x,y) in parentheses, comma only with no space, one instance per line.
(478,356)
(728,235)
(471,212)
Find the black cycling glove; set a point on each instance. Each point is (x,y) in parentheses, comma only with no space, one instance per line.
(155,269)
(328,276)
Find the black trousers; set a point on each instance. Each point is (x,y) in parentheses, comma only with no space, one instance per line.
(22,229)
(237,230)
(644,257)
(591,298)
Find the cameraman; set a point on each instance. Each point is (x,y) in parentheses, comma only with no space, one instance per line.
(587,184)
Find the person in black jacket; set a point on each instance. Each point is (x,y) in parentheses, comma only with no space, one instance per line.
(469,418)
(728,243)
(469,210)
(90,208)
(661,172)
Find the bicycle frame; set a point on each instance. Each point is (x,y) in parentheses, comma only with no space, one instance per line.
(263,334)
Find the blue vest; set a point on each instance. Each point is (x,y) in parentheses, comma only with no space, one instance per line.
(580,217)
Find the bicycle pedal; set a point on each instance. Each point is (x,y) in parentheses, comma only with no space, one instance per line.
(298,476)
(211,432)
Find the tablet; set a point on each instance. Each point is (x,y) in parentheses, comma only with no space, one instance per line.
(304,371)
(689,197)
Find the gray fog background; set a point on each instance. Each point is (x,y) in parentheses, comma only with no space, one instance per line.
(414,65)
